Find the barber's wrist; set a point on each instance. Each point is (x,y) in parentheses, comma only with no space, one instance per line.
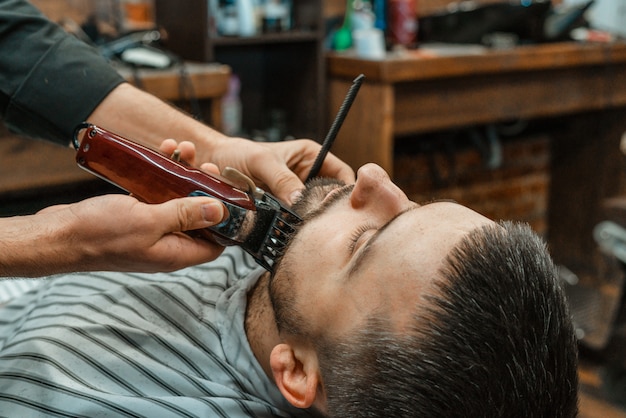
(69,250)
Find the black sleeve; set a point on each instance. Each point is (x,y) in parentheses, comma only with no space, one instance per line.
(50,81)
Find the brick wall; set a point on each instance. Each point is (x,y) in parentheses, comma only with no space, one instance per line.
(453,168)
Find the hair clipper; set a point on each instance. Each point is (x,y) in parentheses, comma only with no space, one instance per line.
(256,221)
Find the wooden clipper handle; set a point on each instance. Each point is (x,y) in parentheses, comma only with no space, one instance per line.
(149,175)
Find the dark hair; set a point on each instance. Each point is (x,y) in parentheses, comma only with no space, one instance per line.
(495,339)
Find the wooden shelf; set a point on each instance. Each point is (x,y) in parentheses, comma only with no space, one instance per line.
(282,72)
(433,63)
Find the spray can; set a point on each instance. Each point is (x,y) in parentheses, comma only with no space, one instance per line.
(402,29)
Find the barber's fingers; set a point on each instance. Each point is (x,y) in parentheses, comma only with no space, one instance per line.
(287,184)
(186,149)
(190,213)
(187,153)
(336,168)
(175,249)
(282,166)
(210,168)
(168,146)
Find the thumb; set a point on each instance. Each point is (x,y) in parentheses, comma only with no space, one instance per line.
(195,213)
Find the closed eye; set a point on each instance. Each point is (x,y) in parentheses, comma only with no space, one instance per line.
(358,234)
(357,260)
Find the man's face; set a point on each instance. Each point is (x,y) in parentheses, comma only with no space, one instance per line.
(363,249)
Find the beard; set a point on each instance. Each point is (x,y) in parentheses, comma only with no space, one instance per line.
(288,319)
(281,288)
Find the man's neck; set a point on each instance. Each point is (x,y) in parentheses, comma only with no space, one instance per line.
(260,323)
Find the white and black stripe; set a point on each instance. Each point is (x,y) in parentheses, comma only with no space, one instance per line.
(113,344)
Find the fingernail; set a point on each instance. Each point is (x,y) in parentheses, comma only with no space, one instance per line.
(213,212)
(295,196)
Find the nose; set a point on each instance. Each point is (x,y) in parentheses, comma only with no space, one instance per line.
(374,189)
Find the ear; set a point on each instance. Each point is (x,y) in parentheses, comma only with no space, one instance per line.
(296,374)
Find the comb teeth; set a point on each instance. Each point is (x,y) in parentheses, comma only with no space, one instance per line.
(277,238)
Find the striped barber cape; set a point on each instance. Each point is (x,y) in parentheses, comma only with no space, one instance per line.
(136,345)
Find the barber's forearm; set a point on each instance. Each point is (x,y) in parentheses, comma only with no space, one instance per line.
(30,246)
(142,117)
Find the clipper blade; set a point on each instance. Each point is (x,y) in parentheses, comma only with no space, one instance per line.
(277,238)
(274,225)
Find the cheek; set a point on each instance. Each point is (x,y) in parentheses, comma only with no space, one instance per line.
(314,259)
(317,247)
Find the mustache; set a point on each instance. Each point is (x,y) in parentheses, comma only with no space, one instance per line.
(314,201)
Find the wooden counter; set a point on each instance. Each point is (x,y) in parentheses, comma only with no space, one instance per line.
(421,91)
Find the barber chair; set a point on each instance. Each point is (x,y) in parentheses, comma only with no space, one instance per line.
(599,308)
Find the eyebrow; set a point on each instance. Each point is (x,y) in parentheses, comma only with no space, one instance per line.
(357,260)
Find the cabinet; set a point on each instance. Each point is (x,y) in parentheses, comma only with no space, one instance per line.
(281,71)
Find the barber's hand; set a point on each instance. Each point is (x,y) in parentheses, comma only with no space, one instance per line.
(119,233)
(187,154)
(279,166)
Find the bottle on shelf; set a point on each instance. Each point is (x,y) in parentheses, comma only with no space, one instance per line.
(246,17)
(402,24)
(231,108)
(276,16)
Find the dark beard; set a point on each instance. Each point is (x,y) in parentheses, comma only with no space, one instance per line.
(288,319)
(281,294)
